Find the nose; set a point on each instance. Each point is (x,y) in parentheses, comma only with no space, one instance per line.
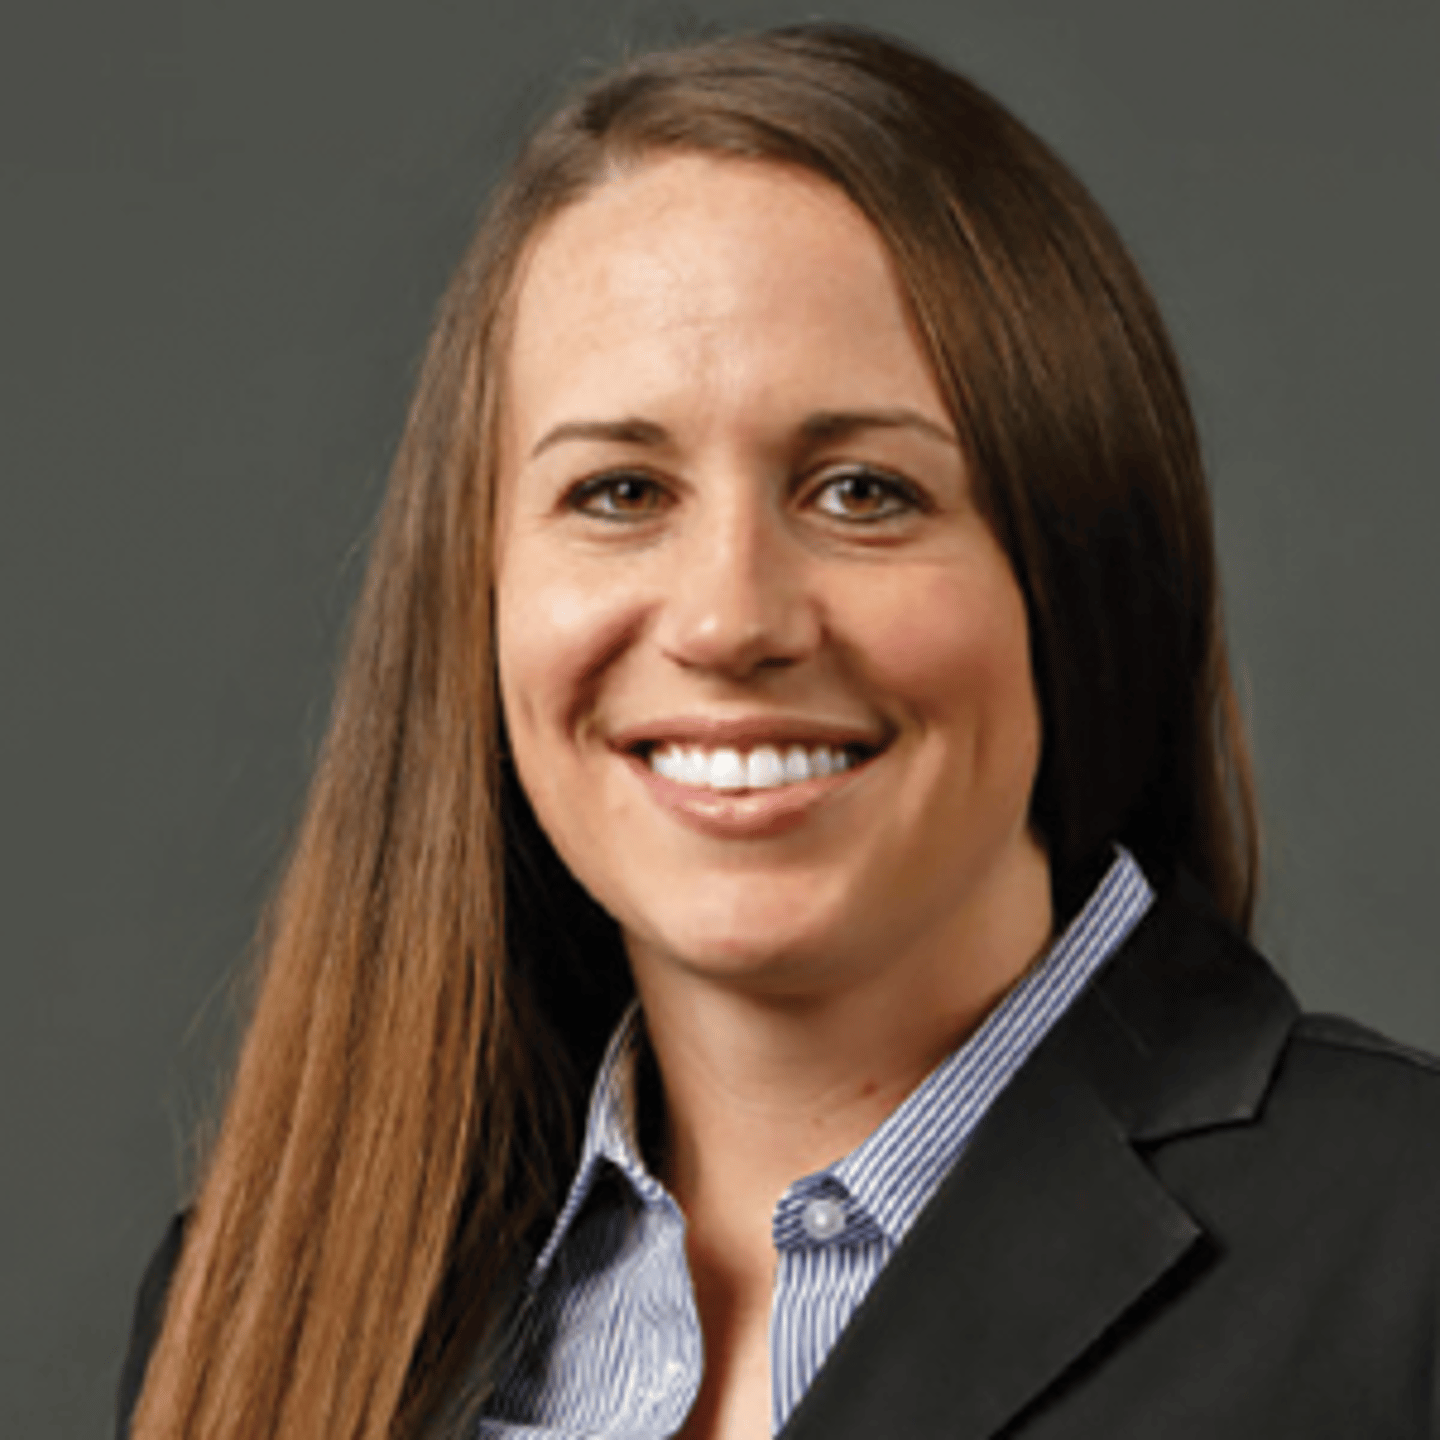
(739,595)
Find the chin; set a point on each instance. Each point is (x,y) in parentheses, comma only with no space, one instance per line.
(772,943)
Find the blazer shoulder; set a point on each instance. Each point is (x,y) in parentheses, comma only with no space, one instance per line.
(1349,1037)
(148,1317)
(1357,1091)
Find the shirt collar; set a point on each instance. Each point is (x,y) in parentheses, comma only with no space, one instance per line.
(899,1166)
(611,1132)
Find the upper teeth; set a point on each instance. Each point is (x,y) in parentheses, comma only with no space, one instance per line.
(763,768)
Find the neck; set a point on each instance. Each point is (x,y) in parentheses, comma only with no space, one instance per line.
(764,1085)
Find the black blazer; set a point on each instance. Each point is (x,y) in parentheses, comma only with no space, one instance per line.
(1193,1213)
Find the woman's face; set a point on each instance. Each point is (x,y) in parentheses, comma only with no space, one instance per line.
(764,667)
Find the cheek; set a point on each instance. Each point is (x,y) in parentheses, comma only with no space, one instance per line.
(556,629)
(952,645)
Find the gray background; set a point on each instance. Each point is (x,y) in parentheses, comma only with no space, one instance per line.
(224,230)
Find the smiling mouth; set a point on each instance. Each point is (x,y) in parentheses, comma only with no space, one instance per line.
(728,769)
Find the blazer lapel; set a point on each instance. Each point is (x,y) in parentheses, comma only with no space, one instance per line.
(1051,1227)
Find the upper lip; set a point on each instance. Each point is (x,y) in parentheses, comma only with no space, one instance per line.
(746,732)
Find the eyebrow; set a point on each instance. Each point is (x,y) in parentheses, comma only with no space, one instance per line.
(823,425)
(618,432)
(840,424)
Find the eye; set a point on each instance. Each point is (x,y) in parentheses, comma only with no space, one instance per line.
(619,497)
(863,497)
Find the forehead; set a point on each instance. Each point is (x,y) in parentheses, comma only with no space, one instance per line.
(638,231)
(704,266)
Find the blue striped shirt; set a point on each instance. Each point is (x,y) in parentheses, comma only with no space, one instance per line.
(608,1340)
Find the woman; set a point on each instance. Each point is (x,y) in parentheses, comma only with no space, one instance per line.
(788,705)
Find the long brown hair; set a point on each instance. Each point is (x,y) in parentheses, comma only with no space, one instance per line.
(436,987)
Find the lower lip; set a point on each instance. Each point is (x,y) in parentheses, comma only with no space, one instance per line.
(743,814)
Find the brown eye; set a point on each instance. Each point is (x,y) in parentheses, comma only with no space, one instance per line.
(625,496)
(865,496)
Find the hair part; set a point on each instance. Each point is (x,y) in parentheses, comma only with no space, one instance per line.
(436,986)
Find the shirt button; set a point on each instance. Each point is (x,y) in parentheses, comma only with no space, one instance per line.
(823,1218)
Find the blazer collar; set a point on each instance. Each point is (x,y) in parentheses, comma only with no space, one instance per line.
(1051,1227)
